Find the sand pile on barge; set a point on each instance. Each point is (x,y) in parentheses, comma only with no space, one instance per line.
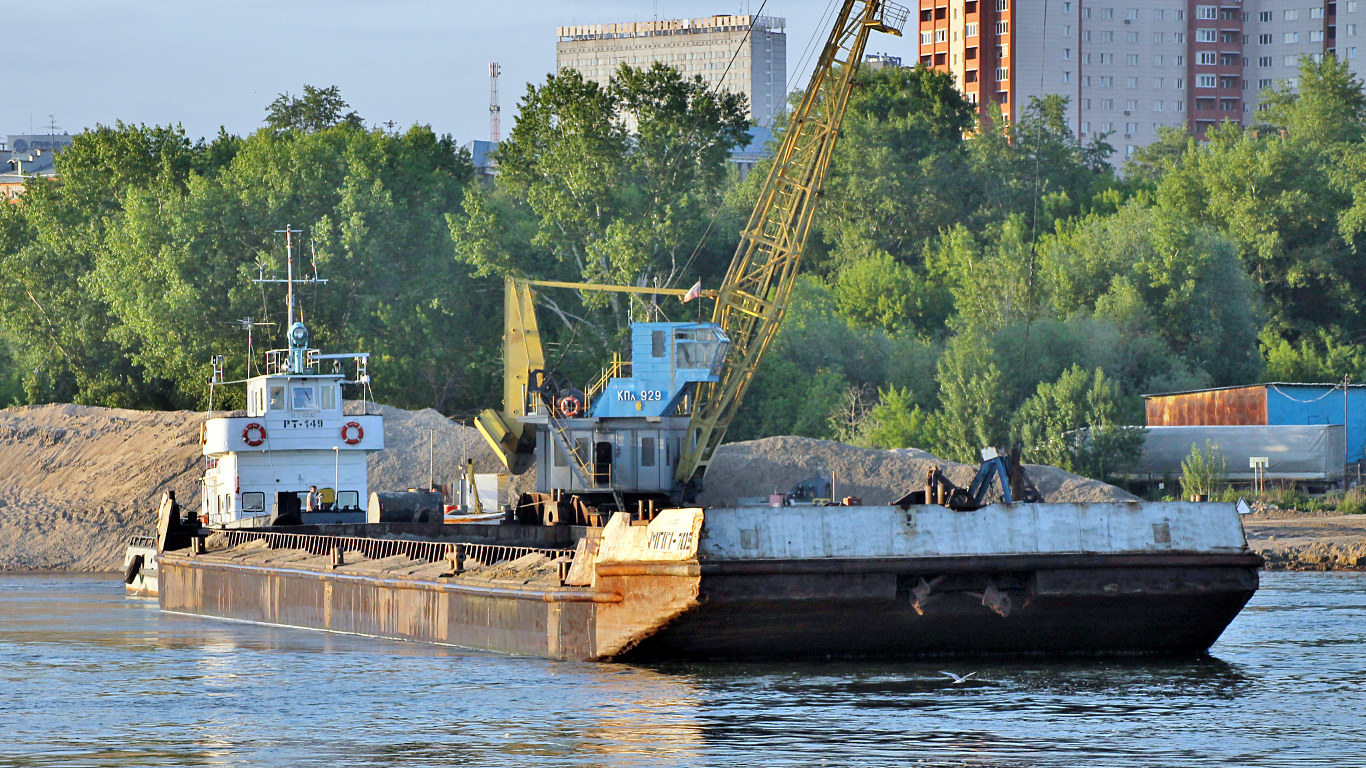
(775,464)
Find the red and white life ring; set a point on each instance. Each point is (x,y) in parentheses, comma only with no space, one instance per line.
(569,406)
(346,433)
(253,434)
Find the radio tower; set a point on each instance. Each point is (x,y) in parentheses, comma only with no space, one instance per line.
(494,110)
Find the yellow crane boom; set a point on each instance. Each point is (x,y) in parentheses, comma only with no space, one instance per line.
(751,301)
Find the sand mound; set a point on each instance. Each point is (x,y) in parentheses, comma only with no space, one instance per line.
(776,464)
(76,481)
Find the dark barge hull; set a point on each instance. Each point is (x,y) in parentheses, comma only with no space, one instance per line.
(1166,603)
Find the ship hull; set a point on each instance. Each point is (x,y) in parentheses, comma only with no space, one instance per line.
(674,588)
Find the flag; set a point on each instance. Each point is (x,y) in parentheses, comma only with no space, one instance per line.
(693,292)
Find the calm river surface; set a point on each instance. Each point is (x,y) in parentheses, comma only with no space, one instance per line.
(91,678)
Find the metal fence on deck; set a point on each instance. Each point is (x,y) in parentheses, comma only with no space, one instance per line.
(430,551)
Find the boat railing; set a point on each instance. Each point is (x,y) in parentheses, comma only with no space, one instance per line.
(142,540)
(431,551)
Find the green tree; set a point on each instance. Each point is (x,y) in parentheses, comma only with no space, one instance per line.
(1204,470)
(973,412)
(317,110)
(1326,104)
(1073,423)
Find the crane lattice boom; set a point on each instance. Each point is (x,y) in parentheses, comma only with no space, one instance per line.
(757,287)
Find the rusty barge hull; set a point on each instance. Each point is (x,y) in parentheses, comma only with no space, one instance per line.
(748,583)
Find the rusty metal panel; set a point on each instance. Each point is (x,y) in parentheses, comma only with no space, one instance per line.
(1239,406)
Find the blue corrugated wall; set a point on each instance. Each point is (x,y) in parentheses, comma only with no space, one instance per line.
(1320,404)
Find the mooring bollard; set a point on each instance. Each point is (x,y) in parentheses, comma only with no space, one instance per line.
(337,560)
(457,558)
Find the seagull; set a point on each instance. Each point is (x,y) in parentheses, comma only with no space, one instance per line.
(957,678)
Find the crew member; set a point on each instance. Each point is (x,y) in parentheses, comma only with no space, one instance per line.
(314,502)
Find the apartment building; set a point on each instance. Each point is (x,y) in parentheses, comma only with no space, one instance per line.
(742,54)
(1130,67)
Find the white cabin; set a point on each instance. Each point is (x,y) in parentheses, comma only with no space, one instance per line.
(294,435)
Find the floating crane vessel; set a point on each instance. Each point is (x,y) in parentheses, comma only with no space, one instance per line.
(610,558)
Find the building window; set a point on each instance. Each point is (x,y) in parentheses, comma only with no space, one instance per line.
(1066,7)
(1067,54)
(1067,77)
(1178,83)
(1264,61)
(1206,36)
(1180,106)
(1349,30)
(941,35)
(1180,15)
(1107,13)
(1316,36)
(1292,15)
(1107,58)
(1206,12)
(1352,52)
(1159,14)
(1157,84)
(1207,57)
(1107,81)
(926,38)
(1157,105)
(1107,37)
(1204,81)
(1264,39)
(1157,38)
(1131,14)
(1179,38)
(1002,5)
(1265,16)
(1002,27)
(1288,60)
(1131,59)
(1264,83)
(1002,74)
(1132,37)
(1107,104)
(1316,13)
(1131,105)
(1157,60)
(970,29)
(1180,61)
(1292,37)
(1131,82)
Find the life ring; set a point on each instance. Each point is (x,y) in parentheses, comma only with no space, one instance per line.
(569,406)
(203,434)
(256,439)
(360,433)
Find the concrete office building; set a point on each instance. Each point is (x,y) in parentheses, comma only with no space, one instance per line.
(1128,67)
(703,47)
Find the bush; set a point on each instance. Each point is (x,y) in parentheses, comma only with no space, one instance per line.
(1203,471)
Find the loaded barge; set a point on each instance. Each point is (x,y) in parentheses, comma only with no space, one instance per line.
(609,558)
(754,582)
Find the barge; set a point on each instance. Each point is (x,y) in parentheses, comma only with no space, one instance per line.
(751,582)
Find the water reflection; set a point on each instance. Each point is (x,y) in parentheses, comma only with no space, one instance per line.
(88,677)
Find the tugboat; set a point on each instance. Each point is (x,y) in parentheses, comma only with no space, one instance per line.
(294,440)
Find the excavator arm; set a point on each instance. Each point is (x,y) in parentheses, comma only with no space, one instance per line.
(751,302)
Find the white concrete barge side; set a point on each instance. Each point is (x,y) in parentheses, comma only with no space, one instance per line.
(760,582)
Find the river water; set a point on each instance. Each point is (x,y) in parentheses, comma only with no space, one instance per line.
(89,677)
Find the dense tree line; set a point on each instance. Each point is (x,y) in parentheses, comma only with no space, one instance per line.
(970,282)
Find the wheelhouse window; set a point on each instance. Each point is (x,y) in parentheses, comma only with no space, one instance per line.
(253,503)
(327,397)
(305,398)
(277,397)
(348,499)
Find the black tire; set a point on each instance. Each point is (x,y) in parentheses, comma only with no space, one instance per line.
(130,573)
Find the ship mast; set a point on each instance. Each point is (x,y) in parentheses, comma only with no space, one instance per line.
(296,357)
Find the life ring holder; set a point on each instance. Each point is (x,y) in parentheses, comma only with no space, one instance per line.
(570,406)
(256,439)
(346,436)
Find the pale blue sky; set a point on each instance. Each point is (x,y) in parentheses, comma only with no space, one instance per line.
(206,63)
